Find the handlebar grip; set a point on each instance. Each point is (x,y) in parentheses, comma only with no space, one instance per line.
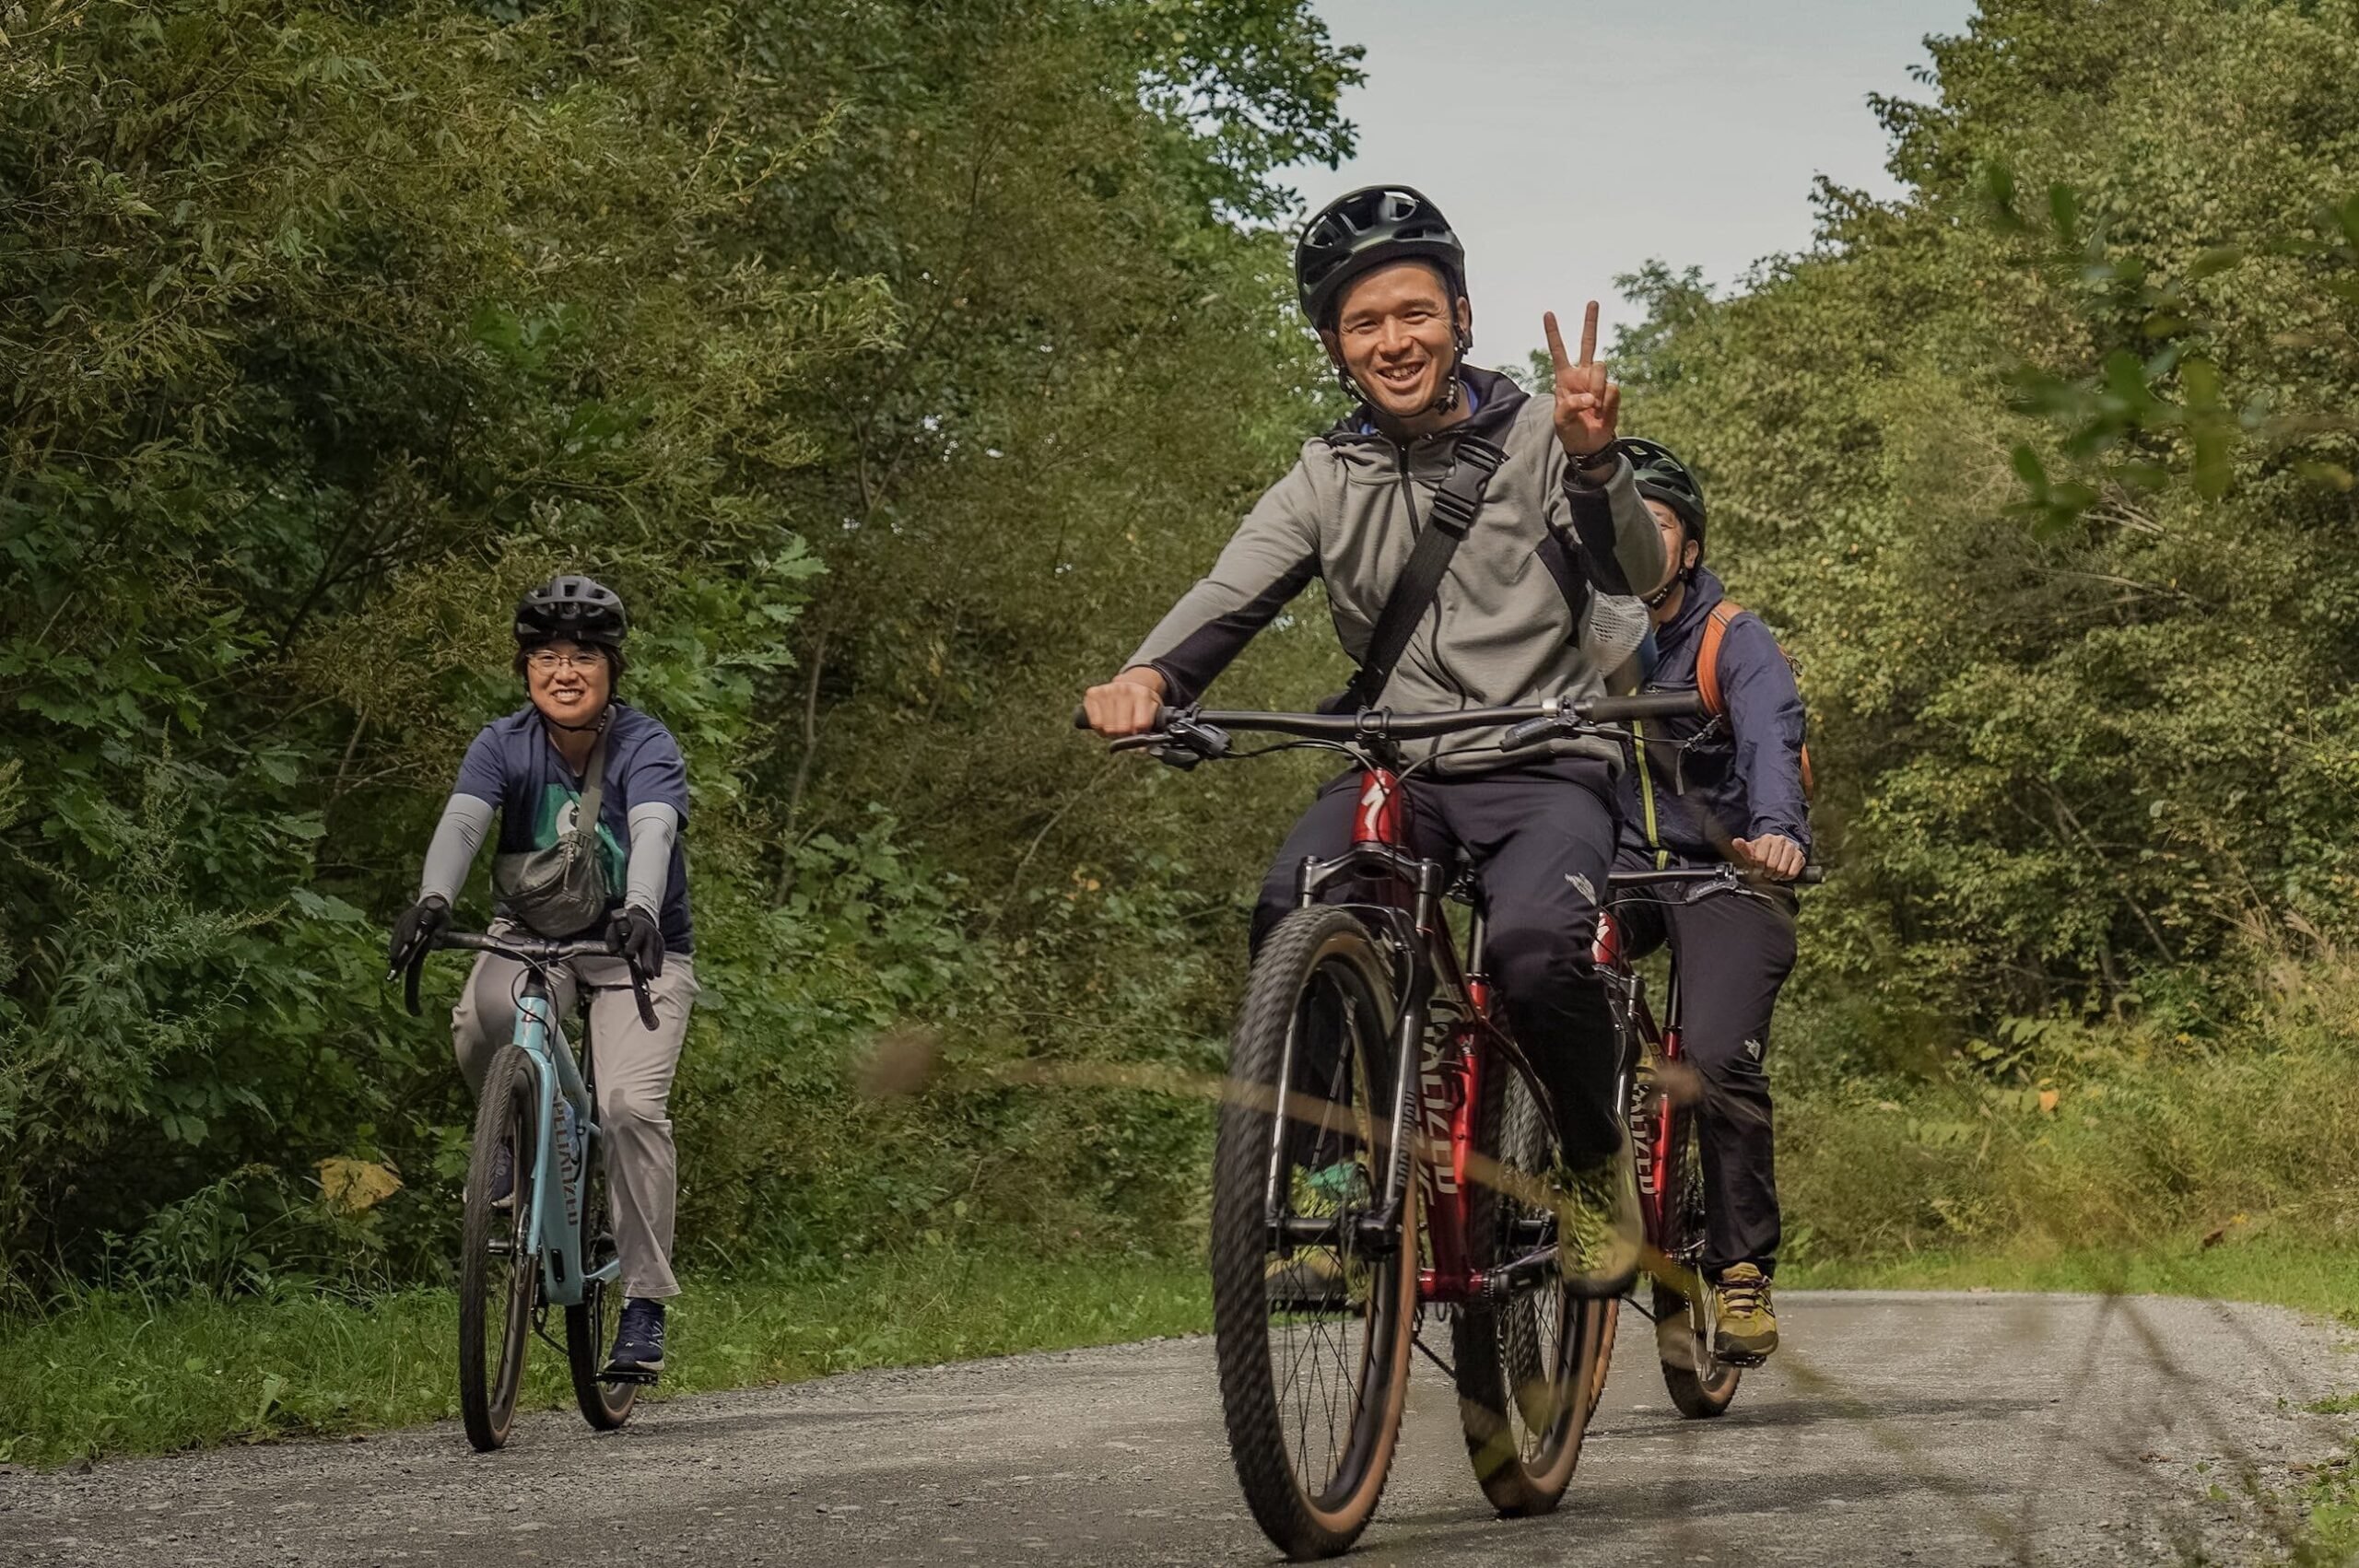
(1648,705)
(1810,876)
(1081,719)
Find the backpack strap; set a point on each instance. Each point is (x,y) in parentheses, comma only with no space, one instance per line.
(1708,677)
(1455,504)
(1708,656)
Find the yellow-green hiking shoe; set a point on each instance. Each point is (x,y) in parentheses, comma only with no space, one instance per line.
(1743,1324)
(1599,1226)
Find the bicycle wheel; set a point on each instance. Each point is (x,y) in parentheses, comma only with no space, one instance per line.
(1701,1384)
(1313,1335)
(498,1277)
(605,1405)
(1530,1366)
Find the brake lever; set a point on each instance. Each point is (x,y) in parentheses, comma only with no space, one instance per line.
(639,994)
(410,986)
(1531,732)
(1183,743)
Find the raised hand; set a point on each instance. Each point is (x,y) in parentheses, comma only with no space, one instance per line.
(1588,405)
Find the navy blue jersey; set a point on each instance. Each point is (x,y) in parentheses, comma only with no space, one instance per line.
(514,766)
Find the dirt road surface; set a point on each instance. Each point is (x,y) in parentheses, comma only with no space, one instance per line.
(1921,1429)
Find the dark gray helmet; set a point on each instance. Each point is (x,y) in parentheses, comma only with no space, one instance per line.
(1367,228)
(1662,477)
(570,608)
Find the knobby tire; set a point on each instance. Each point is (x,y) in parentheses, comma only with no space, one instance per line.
(1318,973)
(1703,1388)
(1529,1367)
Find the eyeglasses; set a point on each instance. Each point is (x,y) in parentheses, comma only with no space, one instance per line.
(548,660)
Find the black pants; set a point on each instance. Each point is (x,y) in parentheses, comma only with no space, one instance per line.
(1733,953)
(1541,840)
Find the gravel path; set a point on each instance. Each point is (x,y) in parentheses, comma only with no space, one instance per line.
(1935,1429)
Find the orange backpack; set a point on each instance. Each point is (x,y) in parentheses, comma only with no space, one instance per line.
(1708,676)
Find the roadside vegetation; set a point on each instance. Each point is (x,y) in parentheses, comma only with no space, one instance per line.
(898,363)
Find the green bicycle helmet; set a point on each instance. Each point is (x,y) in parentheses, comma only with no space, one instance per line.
(1662,477)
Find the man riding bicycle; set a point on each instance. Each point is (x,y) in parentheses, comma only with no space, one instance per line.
(1534,603)
(533,769)
(1725,788)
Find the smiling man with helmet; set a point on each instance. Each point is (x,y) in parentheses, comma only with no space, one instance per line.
(1535,602)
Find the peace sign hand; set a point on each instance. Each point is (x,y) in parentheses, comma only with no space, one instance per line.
(1588,405)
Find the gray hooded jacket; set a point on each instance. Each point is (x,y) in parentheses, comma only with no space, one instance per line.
(1501,631)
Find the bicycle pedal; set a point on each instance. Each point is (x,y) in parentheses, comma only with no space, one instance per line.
(1737,1358)
(643,1379)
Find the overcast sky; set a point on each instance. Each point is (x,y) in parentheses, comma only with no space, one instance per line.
(1570,140)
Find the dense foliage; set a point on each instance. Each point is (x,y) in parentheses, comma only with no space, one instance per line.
(884,354)
(2046,470)
(899,362)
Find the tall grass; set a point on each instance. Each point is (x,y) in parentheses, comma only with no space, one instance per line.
(2107,1138)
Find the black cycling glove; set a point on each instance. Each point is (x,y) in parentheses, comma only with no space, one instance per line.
(634,933)
(414,932)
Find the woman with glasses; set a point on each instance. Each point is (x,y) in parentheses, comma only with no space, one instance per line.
(532,769)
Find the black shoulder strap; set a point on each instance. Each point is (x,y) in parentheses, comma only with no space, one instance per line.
(1452,514)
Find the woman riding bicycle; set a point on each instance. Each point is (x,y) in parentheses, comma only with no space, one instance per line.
(1721,788)
(532,769)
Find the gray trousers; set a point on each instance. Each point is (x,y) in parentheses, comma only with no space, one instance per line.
(633,1065)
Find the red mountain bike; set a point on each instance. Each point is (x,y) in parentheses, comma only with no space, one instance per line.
(1662,1093)
(1379,1152)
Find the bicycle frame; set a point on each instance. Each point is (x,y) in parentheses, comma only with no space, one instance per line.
(1651,1127)
(555,1234)
(1440,1077)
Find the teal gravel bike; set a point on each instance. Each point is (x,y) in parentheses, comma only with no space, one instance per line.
(548,1242)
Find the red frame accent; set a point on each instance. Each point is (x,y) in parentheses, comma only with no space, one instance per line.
(1378,820)
(1654,1141)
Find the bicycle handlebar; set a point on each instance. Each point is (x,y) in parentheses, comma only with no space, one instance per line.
(1526,725)
(536,951)
(1810,876)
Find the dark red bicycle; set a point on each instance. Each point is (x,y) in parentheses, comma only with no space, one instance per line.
(1662,1093)
(1378,1152)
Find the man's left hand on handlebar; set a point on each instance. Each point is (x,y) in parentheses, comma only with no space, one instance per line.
(1128,705)
(1772,854)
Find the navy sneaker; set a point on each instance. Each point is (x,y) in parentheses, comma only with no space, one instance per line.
(639,1340)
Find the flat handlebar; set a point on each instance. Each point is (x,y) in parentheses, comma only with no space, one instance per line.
(1810,876)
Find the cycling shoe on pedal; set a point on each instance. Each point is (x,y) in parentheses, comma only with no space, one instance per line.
(1744,1327)
(1313,1280)
(1598,1227)
(638,1342)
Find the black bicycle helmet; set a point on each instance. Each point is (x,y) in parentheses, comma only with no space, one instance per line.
(1662,477)
(1367,228)
(574,609)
